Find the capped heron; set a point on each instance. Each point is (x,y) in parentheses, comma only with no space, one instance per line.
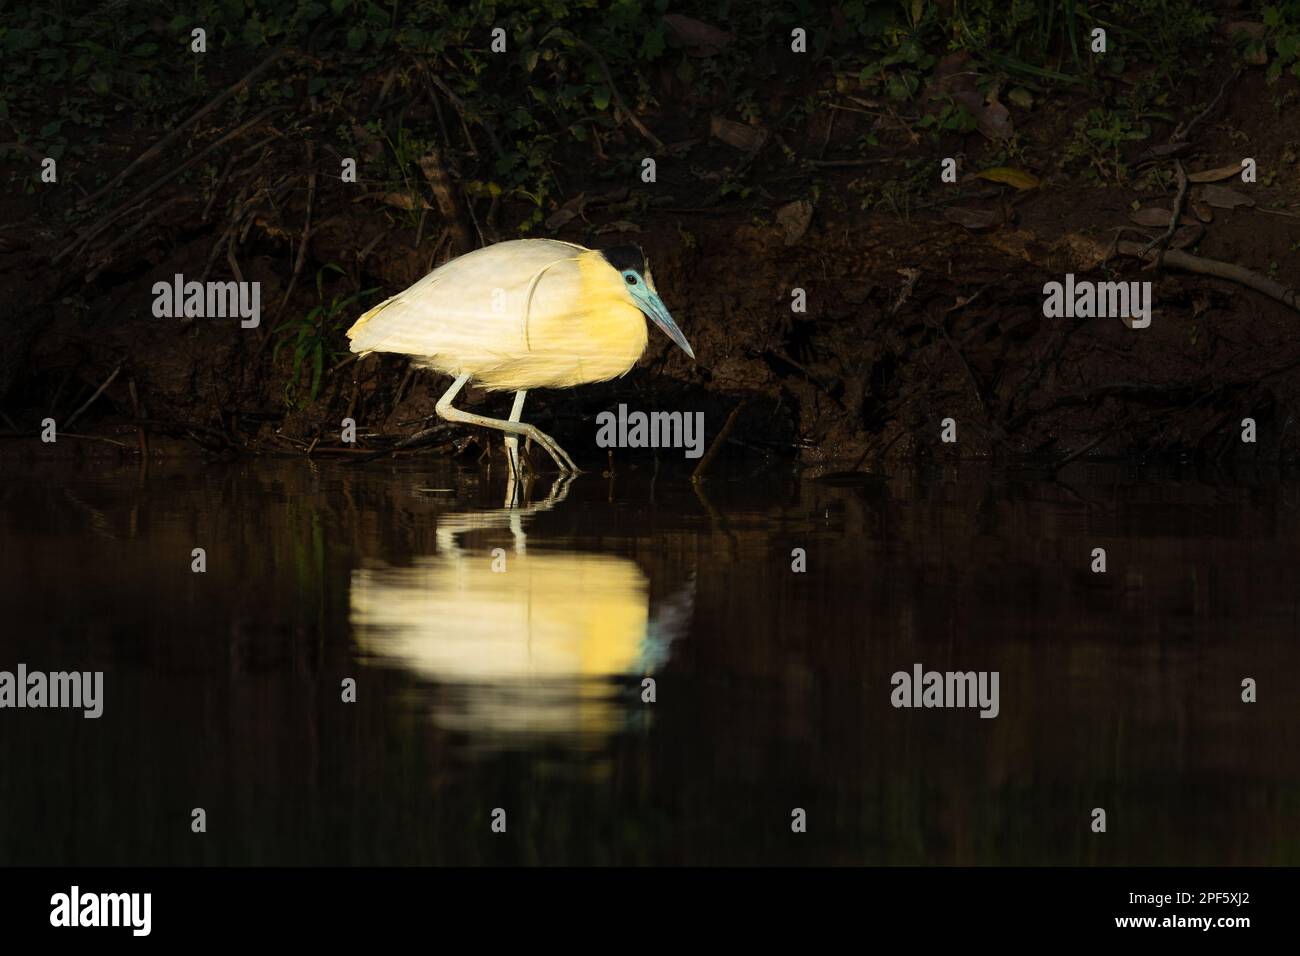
(519,315)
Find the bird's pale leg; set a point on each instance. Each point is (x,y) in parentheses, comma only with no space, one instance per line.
(512,441)
(446,411)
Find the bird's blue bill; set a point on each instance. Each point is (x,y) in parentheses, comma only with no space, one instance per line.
(653,306)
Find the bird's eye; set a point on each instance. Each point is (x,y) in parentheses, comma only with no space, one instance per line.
(631,279)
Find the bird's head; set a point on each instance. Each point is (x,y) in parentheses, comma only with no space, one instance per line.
(640,286)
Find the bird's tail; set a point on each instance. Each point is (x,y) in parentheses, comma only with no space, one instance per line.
(356,335)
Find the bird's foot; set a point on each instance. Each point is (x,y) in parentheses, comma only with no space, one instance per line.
(552,447)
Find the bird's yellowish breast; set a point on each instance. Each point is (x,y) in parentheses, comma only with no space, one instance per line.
(598,335)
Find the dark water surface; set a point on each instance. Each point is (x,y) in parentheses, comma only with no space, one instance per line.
(521,689)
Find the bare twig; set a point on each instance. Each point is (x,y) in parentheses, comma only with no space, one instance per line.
(109,218)
(618,99)
(464,110)
(106,256)
(1181,135)
(718,441)
(1161,243)
(136,412)
(1180,140)
(367,249)
(99,391)
(406,442)
(306,231)
(233,263)
(1084,449)
(347,361)
(962,303)
(397,396)
(217,186)
(909,282)
(157,148)
(217,246)
(970,373)
(111,441)
(849,163)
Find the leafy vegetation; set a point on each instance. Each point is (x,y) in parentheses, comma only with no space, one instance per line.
(1283,25)
(71,69)
(314,337)
(1099,138)
(522,131)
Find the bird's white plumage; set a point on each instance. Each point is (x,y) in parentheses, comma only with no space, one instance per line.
(515,315)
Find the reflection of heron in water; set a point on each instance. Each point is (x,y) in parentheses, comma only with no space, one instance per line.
(537,649)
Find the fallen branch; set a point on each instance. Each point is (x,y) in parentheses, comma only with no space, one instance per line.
(1220,270)
(406,442)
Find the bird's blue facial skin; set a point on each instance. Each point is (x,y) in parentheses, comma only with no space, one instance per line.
(650,303)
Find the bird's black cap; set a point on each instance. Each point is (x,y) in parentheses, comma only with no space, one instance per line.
(625,257)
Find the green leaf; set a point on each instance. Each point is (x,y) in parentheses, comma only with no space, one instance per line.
(356,38)
(22,39)
(600,97)
(652,44)
(316,372)
(99,83)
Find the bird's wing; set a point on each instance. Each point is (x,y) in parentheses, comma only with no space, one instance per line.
(474,307)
